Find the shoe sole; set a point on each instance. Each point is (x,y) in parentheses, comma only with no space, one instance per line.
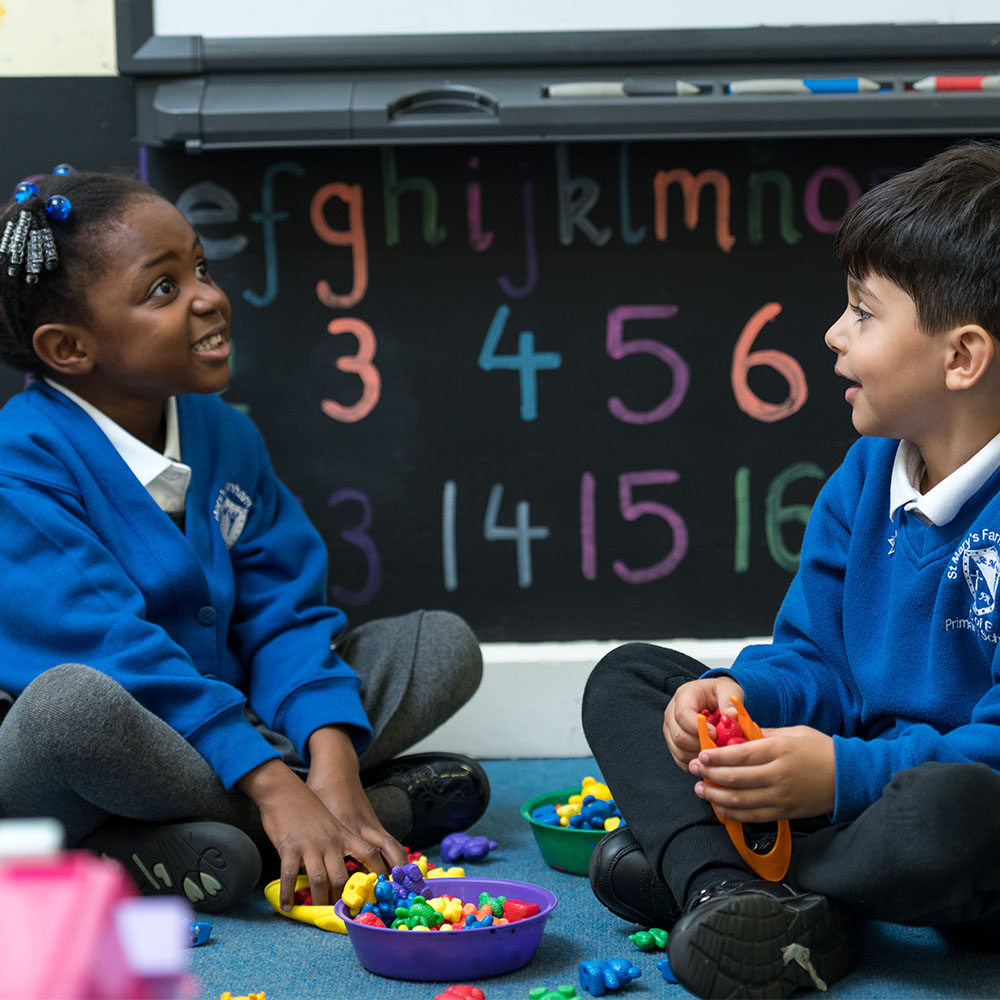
(757,946)
(212,864)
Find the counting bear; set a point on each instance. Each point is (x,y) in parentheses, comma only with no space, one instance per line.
(599,976)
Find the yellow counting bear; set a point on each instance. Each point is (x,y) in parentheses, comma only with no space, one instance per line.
(591,786)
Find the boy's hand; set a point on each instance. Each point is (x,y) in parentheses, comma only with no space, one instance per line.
(680,720)
(788,775)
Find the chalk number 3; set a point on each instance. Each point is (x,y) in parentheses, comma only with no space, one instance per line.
(361,365)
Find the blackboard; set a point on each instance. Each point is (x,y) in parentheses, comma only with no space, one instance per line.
(534,383)
(590,407)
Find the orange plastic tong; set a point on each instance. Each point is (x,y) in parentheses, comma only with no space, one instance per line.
(773,865)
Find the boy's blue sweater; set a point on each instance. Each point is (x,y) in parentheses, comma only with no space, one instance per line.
(887,638)
(92,571)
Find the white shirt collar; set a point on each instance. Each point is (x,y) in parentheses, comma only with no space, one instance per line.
(942,502)
(164,476)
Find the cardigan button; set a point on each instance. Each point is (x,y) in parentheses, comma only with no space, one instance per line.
(206,615)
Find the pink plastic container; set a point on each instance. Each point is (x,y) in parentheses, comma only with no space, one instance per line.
(472,953)
(57,930)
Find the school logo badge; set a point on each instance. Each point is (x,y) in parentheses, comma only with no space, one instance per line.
(231,509)
(981,568)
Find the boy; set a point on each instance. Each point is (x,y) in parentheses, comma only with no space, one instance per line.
(879,694)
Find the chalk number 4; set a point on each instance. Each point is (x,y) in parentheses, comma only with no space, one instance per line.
(527,362)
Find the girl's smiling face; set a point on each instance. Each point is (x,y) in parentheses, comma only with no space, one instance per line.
(158,324)
(895,369)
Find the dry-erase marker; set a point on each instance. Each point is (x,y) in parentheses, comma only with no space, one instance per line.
(649,87)
(843,85)
(958,83)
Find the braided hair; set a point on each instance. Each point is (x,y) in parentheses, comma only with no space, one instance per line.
(99,200)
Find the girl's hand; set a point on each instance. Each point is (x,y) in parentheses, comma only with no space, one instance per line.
(303,832)
(334,779)
(680,720)
(791,774)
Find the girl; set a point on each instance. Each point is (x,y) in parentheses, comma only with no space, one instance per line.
(170,669)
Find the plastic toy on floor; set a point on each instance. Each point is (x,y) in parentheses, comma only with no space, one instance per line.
(598,976)
(651,940)
(668,974)
(323,917)
(461,991)
(559,993)
(772,865)
(201,931)
(243,996)
(461,845)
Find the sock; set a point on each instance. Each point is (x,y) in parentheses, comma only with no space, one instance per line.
(698,858)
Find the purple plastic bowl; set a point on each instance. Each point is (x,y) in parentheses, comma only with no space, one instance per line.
(472,953)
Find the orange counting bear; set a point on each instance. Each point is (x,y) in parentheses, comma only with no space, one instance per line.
(773,865)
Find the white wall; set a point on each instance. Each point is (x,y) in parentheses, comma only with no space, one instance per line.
(529,702)
(57,38)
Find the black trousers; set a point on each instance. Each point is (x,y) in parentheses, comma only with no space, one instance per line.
(927,853)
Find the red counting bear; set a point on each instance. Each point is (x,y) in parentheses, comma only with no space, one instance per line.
(727,729)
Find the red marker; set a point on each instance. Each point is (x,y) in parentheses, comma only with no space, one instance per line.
(939,83)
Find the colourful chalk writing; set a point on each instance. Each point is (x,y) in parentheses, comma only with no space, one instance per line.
(647,367)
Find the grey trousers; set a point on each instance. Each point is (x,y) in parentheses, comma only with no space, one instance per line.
(77,746)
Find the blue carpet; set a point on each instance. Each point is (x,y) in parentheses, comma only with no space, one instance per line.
(255,949)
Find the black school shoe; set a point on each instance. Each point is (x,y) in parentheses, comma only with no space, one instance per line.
(624,881)
(213,865)
(444,793)
(759,939)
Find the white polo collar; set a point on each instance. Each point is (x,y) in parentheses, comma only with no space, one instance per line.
(164,476)
(943,501)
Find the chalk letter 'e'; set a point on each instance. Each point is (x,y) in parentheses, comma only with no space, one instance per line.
(208,204)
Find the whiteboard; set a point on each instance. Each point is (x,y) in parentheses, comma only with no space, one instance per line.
(320,18)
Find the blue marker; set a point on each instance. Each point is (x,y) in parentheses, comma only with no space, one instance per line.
(842,85)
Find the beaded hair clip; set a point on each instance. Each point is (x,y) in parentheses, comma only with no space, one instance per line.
(27,241)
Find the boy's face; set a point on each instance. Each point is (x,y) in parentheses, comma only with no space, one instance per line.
(896,370)
(160,324)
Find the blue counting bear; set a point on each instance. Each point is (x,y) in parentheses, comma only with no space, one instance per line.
(546,814)
(593,812)
(598,976)
(386,900)
(668,974)
(472,920)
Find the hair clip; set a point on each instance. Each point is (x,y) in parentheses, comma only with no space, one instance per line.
(28,242)
(18,240)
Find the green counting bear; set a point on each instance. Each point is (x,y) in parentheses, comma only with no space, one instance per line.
(559,993)
(418,914)
(649,940)
(495,903)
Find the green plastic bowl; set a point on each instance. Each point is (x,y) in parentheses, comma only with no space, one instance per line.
(563,848)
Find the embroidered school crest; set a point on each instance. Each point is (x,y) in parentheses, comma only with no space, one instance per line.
(231,509)
(982,570)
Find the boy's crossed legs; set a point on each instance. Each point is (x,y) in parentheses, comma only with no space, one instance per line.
(923,854)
